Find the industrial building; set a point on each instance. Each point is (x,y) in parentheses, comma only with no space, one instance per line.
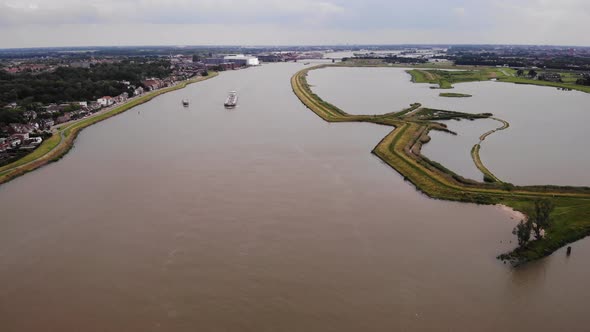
(238,60)
(242,60)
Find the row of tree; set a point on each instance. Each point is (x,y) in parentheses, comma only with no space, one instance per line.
(72,84)
(492,59)
(531,73)
(585,80)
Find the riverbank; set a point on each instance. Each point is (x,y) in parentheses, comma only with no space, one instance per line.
(63,139)
(528,81)
(401,149)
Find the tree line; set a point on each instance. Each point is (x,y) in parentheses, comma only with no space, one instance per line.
(72,84)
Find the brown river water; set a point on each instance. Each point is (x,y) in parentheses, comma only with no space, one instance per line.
(262,218)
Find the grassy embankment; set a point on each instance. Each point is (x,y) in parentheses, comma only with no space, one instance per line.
(488,176)
(564,85)
(63,139)
(401,149)
(454,95)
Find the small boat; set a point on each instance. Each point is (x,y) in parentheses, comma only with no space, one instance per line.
(232,100)
(185,102)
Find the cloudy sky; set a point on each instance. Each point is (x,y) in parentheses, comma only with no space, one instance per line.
(36,23)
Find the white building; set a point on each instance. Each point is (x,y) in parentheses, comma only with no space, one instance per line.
(105,101)
(242,60)
(138,91)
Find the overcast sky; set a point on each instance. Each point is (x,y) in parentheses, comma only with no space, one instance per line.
(36,23)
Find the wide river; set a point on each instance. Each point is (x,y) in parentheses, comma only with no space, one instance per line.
(262,218)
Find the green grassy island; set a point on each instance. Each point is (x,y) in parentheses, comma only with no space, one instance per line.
(401,149)
(454,95)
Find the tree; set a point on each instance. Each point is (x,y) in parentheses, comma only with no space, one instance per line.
(519,72)
(537,221)
(532,73)
(196,58)
(539,216)
(72,107)
(523,232)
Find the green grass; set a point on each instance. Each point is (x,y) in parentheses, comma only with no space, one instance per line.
(431,114)
(401,149)
(454,95)
(523,80)
(445,79)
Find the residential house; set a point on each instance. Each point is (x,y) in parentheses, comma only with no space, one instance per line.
(33,141)
(14,141)
(105,101)
(121,98)
(21,137)
(152,84)
(550,77)
(19,128)
(4,145)
(47,124)
(94,106)
(64,118)
(30,115)
(52,108)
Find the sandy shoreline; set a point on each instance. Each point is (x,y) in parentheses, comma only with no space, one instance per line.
(516,215)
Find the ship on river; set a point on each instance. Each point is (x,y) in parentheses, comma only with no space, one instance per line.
(232,100)
(185,102)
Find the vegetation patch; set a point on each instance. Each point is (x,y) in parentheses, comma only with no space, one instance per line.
(431,114)
(455,95)
(446,78)
(560,85)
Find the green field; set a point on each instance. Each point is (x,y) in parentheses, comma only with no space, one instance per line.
(567,84)
(445,79)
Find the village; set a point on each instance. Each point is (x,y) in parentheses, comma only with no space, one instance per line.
(21,138)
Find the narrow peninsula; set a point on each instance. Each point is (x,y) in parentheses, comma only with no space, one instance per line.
(401,149)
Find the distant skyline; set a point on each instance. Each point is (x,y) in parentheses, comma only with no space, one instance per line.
(47,23)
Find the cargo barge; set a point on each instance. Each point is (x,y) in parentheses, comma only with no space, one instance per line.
(232,100)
